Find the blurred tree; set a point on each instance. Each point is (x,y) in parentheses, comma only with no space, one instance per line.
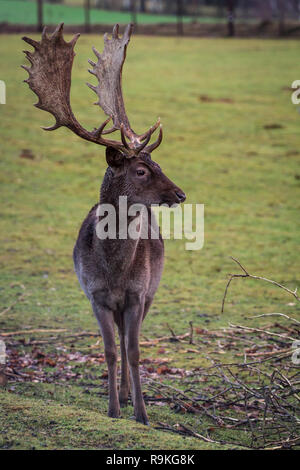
(231,4)
(133,13)
(220,9)
(168,6)
(267,9)
(143,5)
(87,7)
(179,18)
(40,23)
(281,15)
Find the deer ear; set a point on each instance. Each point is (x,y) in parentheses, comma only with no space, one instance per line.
(115,159)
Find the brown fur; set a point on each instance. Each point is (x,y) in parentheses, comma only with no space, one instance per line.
(120,277)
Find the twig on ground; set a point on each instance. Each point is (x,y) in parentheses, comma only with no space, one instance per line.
(19,299)
(191,332)
(269,333)
(152,342)
(278,314)
(25,332)
(246,274)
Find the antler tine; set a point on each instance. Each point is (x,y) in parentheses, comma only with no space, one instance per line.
(58,32)
(29,56)
(32,42)
(124,141)
(112,143)
(74,39)
(115,33)
(143,144)
(51,128)
(152,129)
(155,144)
(97,53)
(44,33)
(92,87)
(109,131)
(98,132)
(128,32)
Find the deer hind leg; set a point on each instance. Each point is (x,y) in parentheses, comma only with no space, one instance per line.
(124,385)
(132,321)
(106,323)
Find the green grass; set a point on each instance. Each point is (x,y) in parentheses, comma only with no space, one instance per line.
(43,423)
(25,12)
(218,152)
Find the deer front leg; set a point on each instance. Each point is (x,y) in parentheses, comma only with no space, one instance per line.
(106,323)
(124,385)
(132,320)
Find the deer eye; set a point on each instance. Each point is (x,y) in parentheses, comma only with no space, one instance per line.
(140,172)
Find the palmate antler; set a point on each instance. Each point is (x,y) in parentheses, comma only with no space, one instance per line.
(50,78)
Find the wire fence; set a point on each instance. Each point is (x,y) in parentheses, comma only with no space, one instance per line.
(179,13)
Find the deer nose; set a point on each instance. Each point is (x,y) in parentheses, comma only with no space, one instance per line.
(181,196)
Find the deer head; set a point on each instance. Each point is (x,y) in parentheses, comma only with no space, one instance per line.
(129,159)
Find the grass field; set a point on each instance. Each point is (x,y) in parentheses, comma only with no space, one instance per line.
(231,142)
(25,12)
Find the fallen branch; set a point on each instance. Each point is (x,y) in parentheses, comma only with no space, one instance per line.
(268,353)
(276,314)
(153,342)
(182,429)
(25,332)
(258,330)
(191,332)
(246,274)
(7,309)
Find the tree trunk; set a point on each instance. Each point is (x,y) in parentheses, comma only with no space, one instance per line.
(133,12)
(281,16)
(143,6)
(87,6)
(40,22)
(179,18)
(231,4)
(265,10)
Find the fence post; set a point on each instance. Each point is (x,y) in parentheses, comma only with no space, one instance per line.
(281,16)
(231,26)
(40,22)
(133,13)
(87,6)
(179,18)
(143,6)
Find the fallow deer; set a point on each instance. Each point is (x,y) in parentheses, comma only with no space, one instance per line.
(119,276)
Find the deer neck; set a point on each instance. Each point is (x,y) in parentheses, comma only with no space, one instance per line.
(120,250)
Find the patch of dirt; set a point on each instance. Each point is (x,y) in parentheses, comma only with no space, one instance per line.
(209,99)
(36,365)
(273,126)
(27,153)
